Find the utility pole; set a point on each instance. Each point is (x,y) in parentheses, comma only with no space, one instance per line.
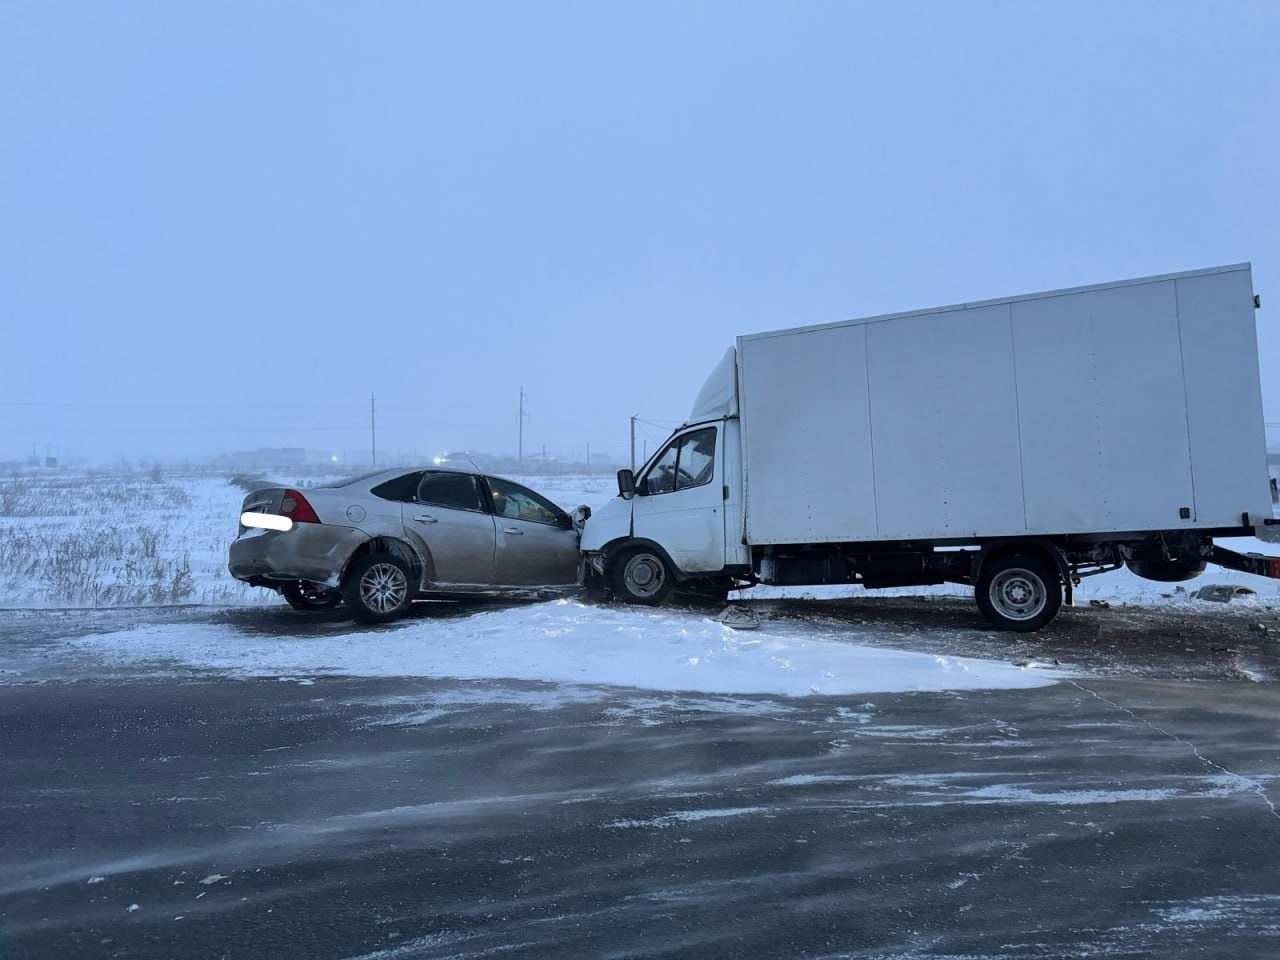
(633,442)
(373,434)
(520,442)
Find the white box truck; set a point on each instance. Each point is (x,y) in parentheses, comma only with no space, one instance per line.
(1015,445)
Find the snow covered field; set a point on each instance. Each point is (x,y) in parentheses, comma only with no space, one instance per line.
(82,540)
(79,540)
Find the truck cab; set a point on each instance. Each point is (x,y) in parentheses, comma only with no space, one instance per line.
(678,518)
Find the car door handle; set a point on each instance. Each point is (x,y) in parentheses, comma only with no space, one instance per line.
(425,518)
(513,531)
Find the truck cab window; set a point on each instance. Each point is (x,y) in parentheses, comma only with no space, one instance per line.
(661,477)
(688,461)
(697,459)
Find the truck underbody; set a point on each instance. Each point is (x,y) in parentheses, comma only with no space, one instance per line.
(1167,556)
(1156,555)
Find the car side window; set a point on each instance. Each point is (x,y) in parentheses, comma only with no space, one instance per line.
(688,461)
(456,491)
(400,488)
(520,503)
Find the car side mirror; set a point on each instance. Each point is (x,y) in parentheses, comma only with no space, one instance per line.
(626,484)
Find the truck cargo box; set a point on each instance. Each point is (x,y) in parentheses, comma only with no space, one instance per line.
(1125,406)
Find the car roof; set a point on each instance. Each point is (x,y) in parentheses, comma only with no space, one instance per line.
(373,479)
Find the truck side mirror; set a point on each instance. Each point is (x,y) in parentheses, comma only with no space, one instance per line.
(626,484)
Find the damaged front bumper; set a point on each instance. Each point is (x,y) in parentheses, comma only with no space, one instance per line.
(590,567)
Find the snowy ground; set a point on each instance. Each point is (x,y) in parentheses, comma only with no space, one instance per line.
(871,778)
(252,783)
(569,642)
(76,540)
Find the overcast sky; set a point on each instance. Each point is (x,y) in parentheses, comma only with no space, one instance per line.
(222,225)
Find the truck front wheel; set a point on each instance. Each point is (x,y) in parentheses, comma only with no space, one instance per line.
(641,576)
(1019,591)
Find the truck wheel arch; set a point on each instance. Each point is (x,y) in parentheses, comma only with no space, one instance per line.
(614,547)
(1040,545)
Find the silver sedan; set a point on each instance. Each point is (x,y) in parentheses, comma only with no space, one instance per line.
(379,541)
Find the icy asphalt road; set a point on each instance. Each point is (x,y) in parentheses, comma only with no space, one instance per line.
(166,802)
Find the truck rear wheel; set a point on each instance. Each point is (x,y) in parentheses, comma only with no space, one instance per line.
(1019,591)
(641,575)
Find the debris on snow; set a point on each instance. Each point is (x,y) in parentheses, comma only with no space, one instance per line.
(1222,592)
(739,618)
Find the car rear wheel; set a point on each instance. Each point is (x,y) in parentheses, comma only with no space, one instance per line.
(641,576)
(378,588)
(1019,591)
(303,596)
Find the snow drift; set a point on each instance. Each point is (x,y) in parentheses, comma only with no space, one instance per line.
(569,642)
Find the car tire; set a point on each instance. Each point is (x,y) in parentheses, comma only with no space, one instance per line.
(641,576)
(378,588)
(302,597)
(1019,592)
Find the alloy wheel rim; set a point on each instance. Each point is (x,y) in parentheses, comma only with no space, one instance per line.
(644,574)
(1018,594)
(383,587)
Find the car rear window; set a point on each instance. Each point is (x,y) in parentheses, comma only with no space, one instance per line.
(400,488)
(457,491)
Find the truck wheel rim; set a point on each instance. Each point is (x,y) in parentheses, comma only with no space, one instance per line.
(1018,594)
(644,575)
(383,587)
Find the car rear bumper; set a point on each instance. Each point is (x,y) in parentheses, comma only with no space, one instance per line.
(316,552)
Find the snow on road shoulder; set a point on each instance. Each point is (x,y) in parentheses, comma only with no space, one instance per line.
(570,642)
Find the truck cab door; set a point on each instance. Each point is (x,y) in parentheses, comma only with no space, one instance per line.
(679,502)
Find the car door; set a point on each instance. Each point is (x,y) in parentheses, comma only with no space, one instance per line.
(679,501)
(448,517)
(537,544)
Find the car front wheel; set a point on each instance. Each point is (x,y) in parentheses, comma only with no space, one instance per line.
(378,588)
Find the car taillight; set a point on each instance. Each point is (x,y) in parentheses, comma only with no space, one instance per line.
(295,507)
